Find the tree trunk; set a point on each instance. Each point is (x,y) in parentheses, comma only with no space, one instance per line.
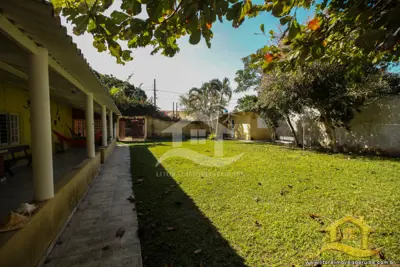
(296,140)
(216,128)
(330,131)
(217,122)
(335,144)
(273,132)
(211,126)
(273,135)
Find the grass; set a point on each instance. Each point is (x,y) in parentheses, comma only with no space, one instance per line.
(267,209)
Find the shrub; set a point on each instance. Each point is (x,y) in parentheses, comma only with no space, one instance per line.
(212,136)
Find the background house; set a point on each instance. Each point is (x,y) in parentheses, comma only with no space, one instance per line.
(246,126)
(238,125)
(147,127)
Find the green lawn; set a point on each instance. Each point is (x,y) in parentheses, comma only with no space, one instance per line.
(267,209)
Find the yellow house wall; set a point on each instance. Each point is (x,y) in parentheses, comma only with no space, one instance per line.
(155,127)
(258,132)
(242,124)
(247,127)
(15,100)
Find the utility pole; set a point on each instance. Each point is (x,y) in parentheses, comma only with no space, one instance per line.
(155,105)
(173,109)
(155,93)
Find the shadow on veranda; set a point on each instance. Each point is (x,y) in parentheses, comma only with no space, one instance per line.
(172,229)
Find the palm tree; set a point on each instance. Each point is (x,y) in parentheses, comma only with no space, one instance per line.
(224,91)
(208,101)
(200,101)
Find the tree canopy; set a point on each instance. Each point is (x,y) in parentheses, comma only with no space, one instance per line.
(247,103)
(353,33)
(200,102)
(125,88)
(352,30)
(249,77)
(130,100)
(324,88)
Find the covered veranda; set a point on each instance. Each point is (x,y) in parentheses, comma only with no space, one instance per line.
(19,188)
(39,61)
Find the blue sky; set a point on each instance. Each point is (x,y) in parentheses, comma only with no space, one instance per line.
(193,65)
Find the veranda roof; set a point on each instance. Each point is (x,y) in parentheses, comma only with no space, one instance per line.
(36,20)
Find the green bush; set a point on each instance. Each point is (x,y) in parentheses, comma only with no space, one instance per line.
(212,136)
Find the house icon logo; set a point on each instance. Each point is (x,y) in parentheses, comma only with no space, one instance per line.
(198,136)
(335,243)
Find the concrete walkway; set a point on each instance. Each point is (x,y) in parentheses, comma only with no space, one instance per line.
(90,237)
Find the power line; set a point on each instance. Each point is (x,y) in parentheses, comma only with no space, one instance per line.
(170,92)
(155,93)
(177,93)
(163,91)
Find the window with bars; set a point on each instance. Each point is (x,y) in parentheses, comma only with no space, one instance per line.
(9,129)
(14,128)
(3,129)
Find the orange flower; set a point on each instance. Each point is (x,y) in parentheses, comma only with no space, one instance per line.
(314,24)
(209,25)
(324,42)
(268,57)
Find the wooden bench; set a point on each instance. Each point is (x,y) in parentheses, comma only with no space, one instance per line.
(11,151)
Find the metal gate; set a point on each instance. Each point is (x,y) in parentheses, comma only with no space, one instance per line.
(135,128)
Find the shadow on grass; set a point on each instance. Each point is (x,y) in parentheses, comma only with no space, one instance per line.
(172,229)
(148,143)
(325,151)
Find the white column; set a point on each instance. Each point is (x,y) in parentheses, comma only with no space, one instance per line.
(110,120)
(42,152)
(145,127)
(117,128)
(90,147)
(104,125)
